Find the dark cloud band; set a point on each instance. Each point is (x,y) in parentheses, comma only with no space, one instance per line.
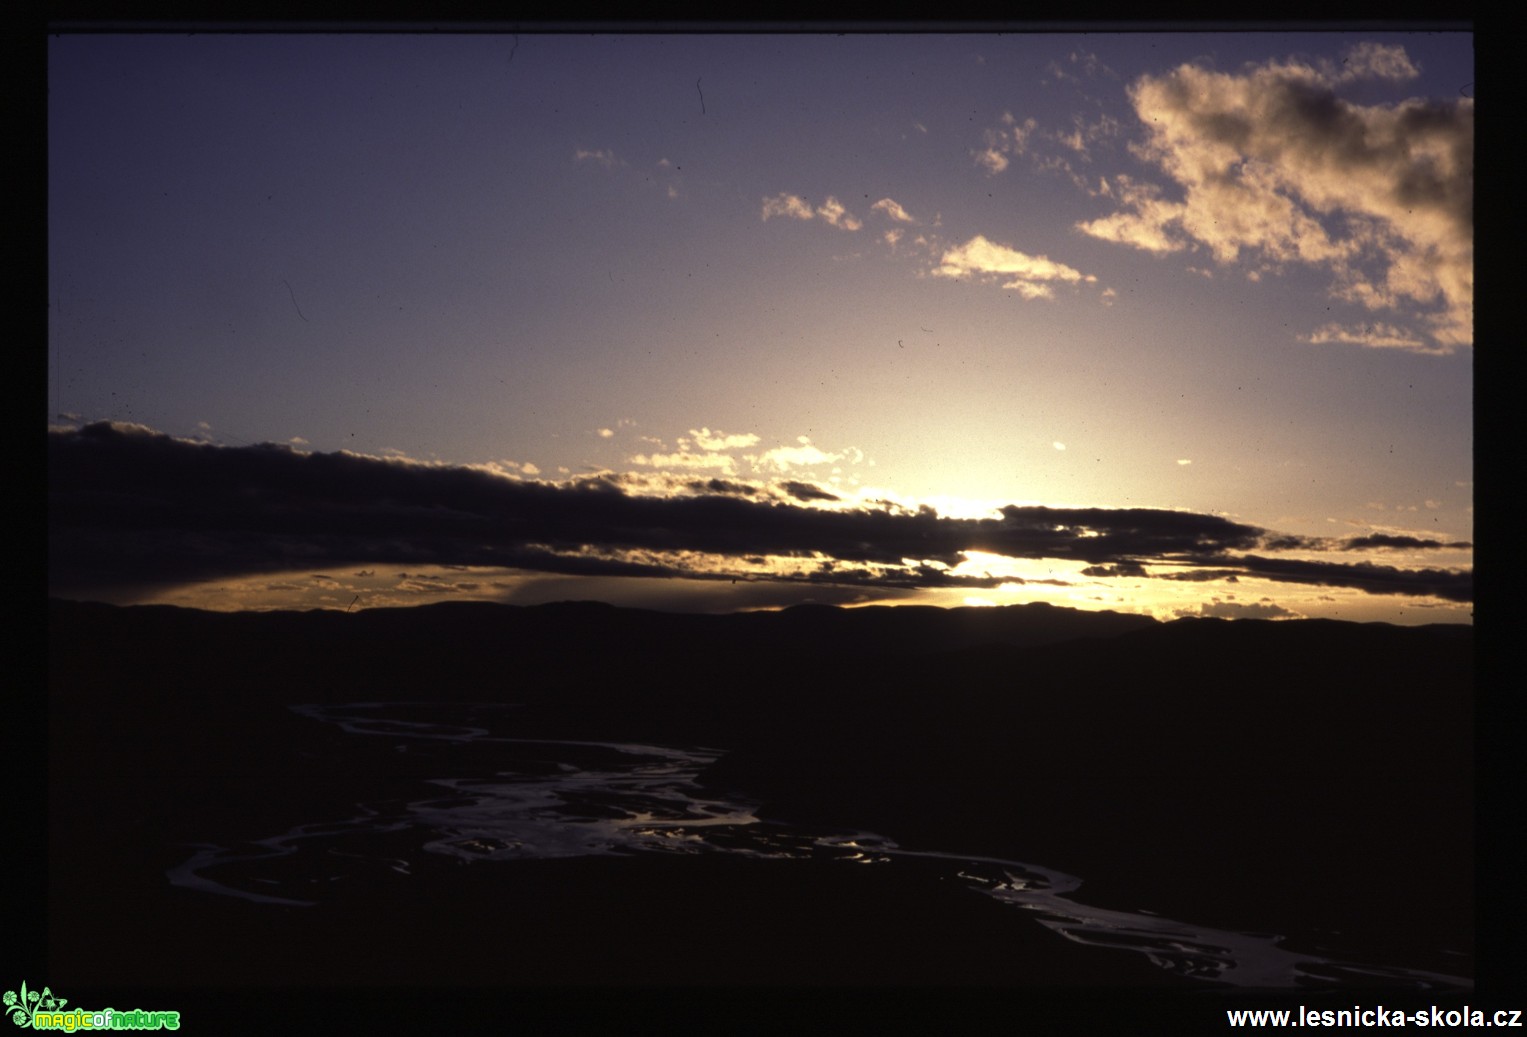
(132,506)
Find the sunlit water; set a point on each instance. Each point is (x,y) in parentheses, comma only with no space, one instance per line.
(512,799)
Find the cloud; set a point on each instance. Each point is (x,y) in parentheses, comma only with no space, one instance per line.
(1448,584)
(687,459)
(722,486)
(1271,162)
(783,458)
(1385,540)
(604,157)
(789,205)
(1049,151)
(981,259)
(1374,336)
(831,211)
(991,159)
(804,491)
(893,210)
(129,507)
(1376,61)
(1121,569)
(1235,610)
(1012,139)
(718,440)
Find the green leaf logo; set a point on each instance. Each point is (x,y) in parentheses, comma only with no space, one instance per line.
(23,1006)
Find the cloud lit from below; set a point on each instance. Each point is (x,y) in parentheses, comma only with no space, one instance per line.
(131,508)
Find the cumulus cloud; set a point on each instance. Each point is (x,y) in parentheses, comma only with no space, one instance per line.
(985,260)
(129,507)
(1272,163)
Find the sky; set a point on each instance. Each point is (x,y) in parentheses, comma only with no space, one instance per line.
(1179,324)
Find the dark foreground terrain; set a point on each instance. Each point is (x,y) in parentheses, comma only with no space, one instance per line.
(1312,780)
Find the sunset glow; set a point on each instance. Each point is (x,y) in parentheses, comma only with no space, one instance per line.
(1168,324)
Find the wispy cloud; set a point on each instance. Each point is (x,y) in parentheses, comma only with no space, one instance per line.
(603,157)
(1048,150)
(1374,336)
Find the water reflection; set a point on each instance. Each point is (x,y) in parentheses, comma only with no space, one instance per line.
(539,799)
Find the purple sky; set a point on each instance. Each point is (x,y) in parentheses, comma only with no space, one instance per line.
(1225,275)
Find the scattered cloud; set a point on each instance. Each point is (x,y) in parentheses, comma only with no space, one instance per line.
(1082,64)
(1049,151)
(1011,139)
(831,211)
(1271,162)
